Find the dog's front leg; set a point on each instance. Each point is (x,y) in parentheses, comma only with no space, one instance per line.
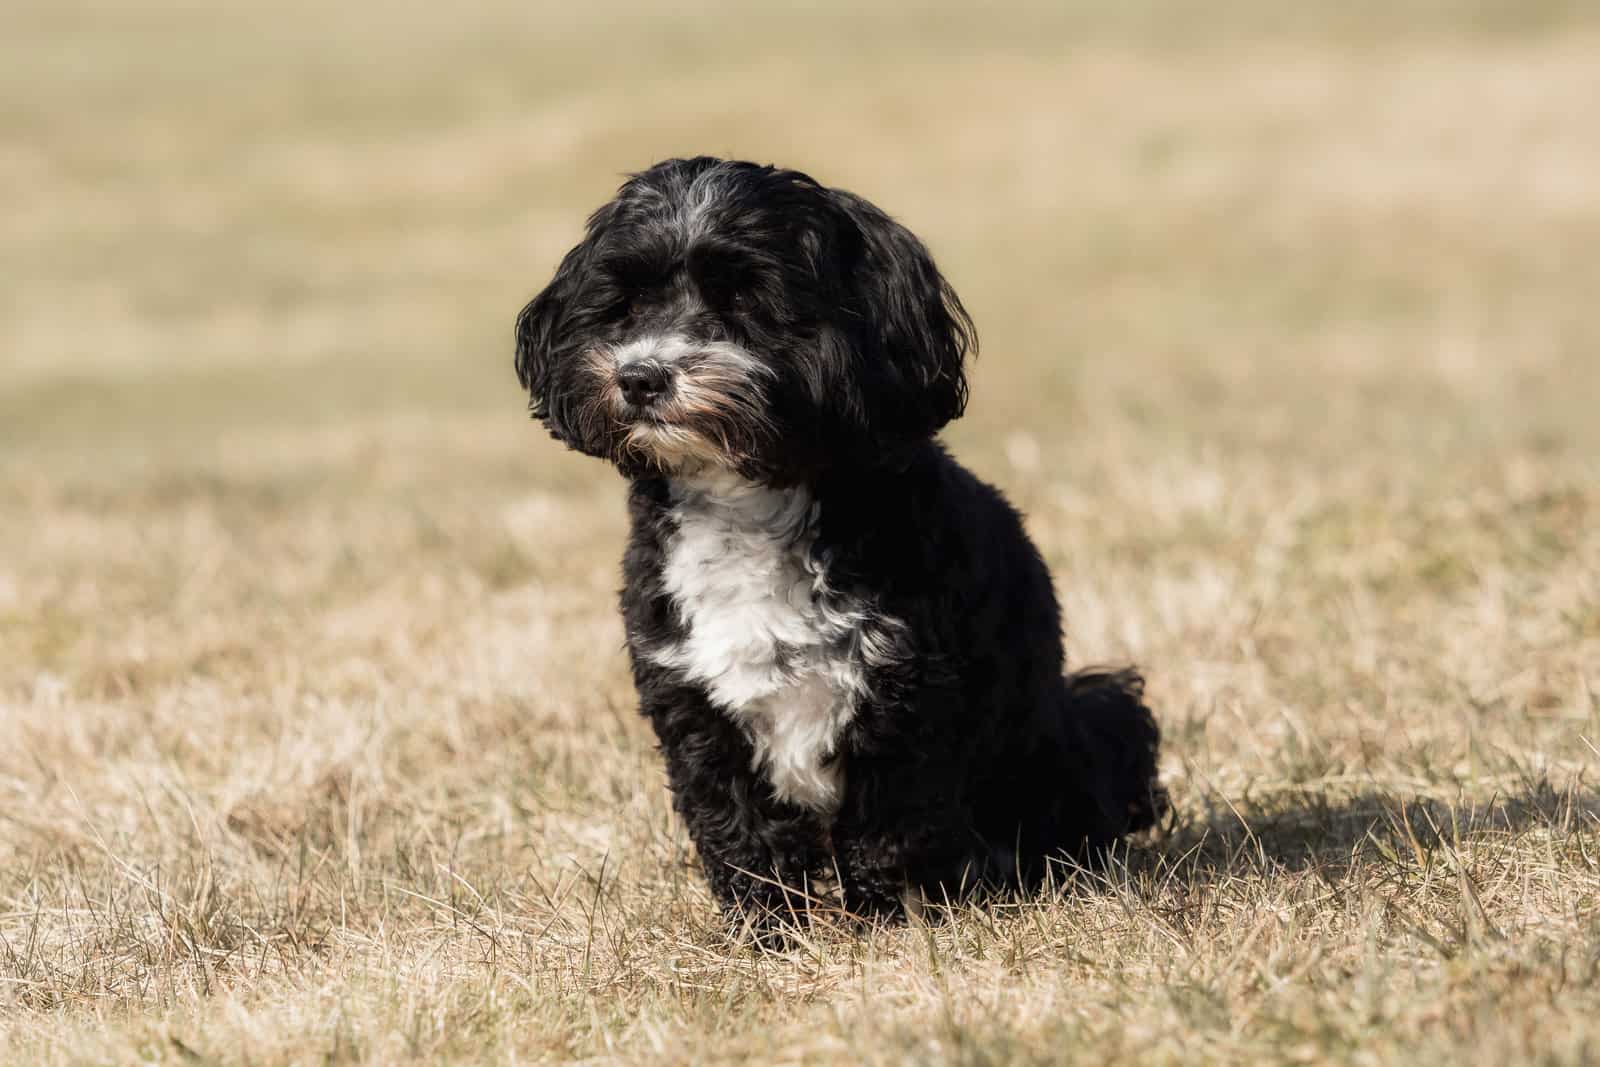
(759,854)
(903,833)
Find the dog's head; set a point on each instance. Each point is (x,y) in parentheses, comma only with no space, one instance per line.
(741,317)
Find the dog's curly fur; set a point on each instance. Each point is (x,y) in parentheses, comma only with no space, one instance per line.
(848,647)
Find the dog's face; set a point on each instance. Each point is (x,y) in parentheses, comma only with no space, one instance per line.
(722,315)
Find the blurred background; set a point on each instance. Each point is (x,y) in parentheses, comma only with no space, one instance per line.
(1246,274)
(242,228)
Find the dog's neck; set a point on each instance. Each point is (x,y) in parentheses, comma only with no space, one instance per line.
(786,514)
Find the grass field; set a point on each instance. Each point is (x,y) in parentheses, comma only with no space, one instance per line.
(316,740)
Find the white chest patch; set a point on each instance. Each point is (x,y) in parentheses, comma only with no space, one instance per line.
(772,646)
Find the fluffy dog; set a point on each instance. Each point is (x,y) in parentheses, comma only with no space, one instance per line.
(848,647)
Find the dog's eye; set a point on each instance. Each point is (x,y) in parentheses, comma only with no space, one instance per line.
(730,296)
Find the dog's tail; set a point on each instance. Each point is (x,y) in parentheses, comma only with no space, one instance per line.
(1114,740)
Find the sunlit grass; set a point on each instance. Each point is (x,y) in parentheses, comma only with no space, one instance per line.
(316,738)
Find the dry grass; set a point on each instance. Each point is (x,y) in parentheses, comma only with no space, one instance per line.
(317,744)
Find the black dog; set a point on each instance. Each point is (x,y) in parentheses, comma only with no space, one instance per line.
(849,648)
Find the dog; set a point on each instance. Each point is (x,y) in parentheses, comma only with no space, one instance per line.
(847,645)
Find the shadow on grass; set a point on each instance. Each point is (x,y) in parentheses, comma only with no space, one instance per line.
(1330,830)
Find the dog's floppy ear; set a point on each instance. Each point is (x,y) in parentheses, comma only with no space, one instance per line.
(540,331)
(911,332)
(536,329)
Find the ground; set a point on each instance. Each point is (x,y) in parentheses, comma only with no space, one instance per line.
(316,741)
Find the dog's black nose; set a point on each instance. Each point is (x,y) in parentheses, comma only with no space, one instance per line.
(642,383)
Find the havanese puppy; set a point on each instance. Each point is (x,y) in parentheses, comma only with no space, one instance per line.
(847,645)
